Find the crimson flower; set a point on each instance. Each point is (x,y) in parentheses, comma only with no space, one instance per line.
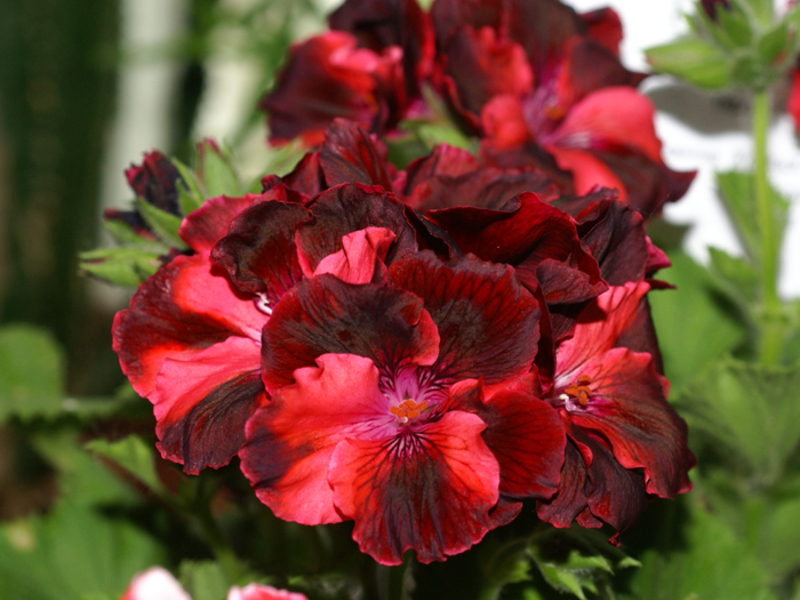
(625,441)
(543,84)
(393,404)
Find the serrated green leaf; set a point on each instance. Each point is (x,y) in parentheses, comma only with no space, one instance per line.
(750,408)
(133,454)
(71,554)
(204,580)
(561,580)
(713,565)
(164,224)
(31,373)
(125,234)
(219,176)
(697,61)
(127,267)
(737,276)
(189,195)
(696,306)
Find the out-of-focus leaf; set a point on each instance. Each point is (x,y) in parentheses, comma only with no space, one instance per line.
(574,575)
(219,176)
(73,553)
(780,545)
(126,234)
(695,60)
(328,586)
(31,372)
(508,564)
(433,134)
(714,565)
(753,409)
(774,43)
(163,223)
(133,454)
(695,325)
(189,195)
(204,580)
(735,24)
(127,267)
(737,276)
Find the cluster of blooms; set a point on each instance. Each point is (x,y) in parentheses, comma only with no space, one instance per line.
(415,350)
(539,83)
(159,584)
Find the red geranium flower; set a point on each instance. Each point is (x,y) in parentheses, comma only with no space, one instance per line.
(625,441)
(374,414)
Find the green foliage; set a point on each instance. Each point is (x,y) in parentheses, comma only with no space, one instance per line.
(695,60)
(31,373)
(218,175)
(204,580)
(127,267)
(698,306)
(133,454)
(163,223)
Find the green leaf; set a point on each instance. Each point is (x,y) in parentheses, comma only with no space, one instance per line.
(713,565)
(737,276)
(505,565)
(695,323)
(752,409)
(433,134)
(780,544)
(697,61)
(574,575)
(189,195)
(31,373)
(775,43)
(735,25)
(127,267)
(134,455)
(219,177)
(72,554)
(204,580)
(163,223)
(127,235)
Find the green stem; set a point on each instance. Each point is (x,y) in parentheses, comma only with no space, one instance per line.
(771,334)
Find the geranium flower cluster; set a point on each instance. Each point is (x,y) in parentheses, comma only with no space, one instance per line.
(415,350)
(539,84)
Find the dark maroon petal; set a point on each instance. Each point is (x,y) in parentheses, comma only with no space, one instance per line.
(306,178)
(132,219)
(324,78)
(488,323)
(429,490)
(444,160)
(347,208)
(207,225)
(350,155)
(540,240)
(524,433)
(259,252)
(379,24)
(156,181)
(326,315)
(212,432)
(614,233)
(604,25)
(640,334)
(527,156)
(649,184)
(571,499)
(590,66)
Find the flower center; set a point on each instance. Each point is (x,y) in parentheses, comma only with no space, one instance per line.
(408,409)
(579,391)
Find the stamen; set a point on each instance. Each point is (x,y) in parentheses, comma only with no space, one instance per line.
(262,303)
(579,390)
(408,409)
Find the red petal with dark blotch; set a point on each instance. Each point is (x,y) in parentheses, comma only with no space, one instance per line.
(207,225)
(604,25)
(326,315)
(628,407)
(351,155)
(290,441)
(202,402)
(185,307)
(347,208)
(524,433)
(259,252)
(379,24)
(614,234)
(156,181)
(599,326)
(481,65)
(428,489)
(540,240)
(325,77)
(639,334)
(488,323)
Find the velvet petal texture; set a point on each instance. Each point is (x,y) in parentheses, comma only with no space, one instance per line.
(191,345)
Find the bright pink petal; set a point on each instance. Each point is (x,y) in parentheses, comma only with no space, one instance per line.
(362,252)
(156,583)
(185,307)
(599,326)
(429,490)
(326,315)
(290,441)
(257,591)
(488,323)
(628,407)
(588,171)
